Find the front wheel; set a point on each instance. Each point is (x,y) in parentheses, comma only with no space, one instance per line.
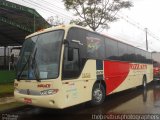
(98,94)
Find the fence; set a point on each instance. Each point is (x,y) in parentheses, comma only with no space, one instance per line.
(7,69)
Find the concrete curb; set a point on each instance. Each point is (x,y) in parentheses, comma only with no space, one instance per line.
(5,100)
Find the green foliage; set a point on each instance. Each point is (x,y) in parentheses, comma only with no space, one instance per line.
(78,22)
(6,89)
(7,76)
(96,13)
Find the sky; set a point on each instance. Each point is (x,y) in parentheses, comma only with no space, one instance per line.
(130,27)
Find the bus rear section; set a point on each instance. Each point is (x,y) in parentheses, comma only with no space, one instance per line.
(120,76)
(156,65)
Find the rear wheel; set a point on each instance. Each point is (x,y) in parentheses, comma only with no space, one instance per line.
(98,94)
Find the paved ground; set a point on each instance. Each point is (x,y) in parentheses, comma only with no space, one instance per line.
(135,101)
(5,100)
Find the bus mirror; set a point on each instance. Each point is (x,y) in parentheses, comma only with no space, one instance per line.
(65,42)
(70,54)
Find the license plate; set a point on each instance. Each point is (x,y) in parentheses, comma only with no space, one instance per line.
(28,100)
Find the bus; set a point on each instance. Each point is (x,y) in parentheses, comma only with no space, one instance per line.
(67,65)
(156,65)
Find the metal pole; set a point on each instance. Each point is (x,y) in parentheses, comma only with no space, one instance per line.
(5,61)
(8,59)
(34,23)
(146,39)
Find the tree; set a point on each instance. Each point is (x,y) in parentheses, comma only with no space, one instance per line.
(96,13)
(55,20)
(78,22)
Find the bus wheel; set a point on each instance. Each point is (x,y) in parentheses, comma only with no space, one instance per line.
(144,84)
(98,94)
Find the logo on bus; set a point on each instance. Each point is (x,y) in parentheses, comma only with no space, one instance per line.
(86,75)
(99,72)
(138,66)
(44,85)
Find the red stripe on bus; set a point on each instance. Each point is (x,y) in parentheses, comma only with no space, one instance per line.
(115,73)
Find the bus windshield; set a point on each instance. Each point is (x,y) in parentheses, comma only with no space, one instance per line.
(40,56)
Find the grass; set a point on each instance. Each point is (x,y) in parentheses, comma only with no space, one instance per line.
(7,76)
(8,106)
(6,89)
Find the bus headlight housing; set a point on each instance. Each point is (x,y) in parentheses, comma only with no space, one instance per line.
(16,90)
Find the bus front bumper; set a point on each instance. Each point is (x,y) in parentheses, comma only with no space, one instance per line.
(47,101)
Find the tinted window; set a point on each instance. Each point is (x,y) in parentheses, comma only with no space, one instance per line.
(95,46)
(140,56)
(131,53)
(137,53)
(71,68)
(122,51)
(77,39)
(143,54)
(111,49)
(149,57)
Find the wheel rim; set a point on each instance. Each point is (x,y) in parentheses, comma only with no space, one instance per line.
(97,95)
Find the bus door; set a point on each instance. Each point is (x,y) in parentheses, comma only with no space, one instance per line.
(72,83)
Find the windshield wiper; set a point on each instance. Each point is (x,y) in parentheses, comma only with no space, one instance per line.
(22,70)
(35,68)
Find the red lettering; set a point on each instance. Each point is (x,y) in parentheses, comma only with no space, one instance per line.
(137,66)
(44,85)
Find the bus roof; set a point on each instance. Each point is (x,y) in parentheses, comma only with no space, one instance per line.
(64,27)
(67,27)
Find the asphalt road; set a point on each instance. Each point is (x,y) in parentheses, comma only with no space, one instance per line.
(134,101)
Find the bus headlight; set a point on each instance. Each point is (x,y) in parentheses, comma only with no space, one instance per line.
(16,90)
(49,92)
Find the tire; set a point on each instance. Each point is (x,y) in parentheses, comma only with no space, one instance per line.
(98,94)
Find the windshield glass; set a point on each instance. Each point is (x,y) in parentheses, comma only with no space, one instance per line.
(40,56)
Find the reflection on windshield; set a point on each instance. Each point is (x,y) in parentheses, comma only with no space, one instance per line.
(40,56)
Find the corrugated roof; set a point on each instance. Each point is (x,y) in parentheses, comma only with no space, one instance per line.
(17,21)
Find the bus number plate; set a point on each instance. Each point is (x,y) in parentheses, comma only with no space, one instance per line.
(28,100)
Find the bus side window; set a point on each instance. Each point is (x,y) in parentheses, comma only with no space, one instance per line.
(71,69)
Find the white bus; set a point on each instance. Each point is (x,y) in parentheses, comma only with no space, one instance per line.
(67,65)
